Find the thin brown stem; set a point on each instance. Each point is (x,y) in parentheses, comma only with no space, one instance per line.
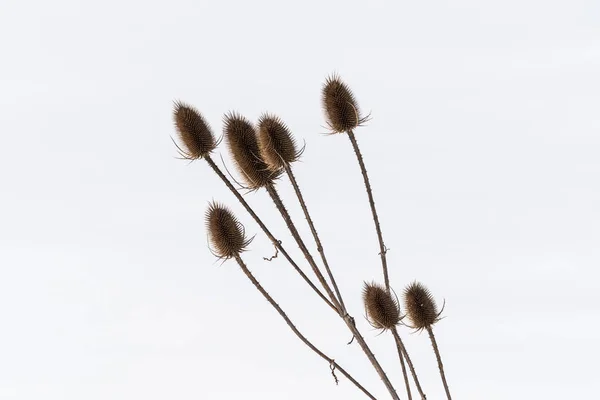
(439,360)
(292,228)
(349,320)
(403,354)
(403,365)
(363,170)
(275,242)
(288,170)
(334,366)
(363,344)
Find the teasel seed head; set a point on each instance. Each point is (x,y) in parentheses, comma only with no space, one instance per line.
(277,146)
(340,106)
(225,233)
(420,306)
(243,146)
(194,132)
(382,309)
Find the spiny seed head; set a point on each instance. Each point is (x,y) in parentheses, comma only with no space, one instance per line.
(383,310)
(277,146)
(225,232)
(420,306)
(194,132)
(340,106)
(243,146)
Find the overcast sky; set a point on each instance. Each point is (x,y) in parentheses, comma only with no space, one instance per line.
(484,155)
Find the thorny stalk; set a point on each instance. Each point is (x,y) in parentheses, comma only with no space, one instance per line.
(439,360)
(290,174)
(363,170)
(334,365)
(292,228)
(404,354)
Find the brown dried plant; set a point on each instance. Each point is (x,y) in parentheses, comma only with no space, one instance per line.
(194,132)
(261,154)
(381,308)
(225,232)
(423,313)
(277,145)
(241,139)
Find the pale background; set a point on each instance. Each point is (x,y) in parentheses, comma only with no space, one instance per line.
(484,155)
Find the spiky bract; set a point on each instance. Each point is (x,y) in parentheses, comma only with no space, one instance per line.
(277,146)
(420,306)
(383,310)
(195,133)
(225,232)
(340,106)
(243,146)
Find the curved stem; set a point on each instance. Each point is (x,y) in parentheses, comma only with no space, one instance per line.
(402,353)
(334,366)
(439,361)
(403,365)
(275,242)
(292,178)
(363,170)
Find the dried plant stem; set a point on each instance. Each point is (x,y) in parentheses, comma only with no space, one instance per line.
(292,228)
(349,320)
(275,242)
(439,361)
(332,363)
(403,354)
(363,169)
(288,170)
(404,374)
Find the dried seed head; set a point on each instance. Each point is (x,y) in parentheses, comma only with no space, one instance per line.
(420,306)
(277,146)
(243,146)
(340,106)
(383,311)
(225,232)
(195,133)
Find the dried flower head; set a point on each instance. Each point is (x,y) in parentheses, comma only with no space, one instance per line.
(277,146)
(194,132)
(420,306)
(243,146)
(383,310)
(226,234)
(340,106)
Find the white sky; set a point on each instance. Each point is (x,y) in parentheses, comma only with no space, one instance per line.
(483,152)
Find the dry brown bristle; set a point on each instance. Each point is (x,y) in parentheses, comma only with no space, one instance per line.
(194,132)
(277,146)
(340,106)
(243,146)
(420,306)
(225,232)
(383,311)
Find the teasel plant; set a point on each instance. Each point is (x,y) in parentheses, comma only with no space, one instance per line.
(262,154)
(423,313)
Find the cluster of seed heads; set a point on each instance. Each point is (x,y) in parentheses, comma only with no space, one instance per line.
(242,141)
(261,153)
